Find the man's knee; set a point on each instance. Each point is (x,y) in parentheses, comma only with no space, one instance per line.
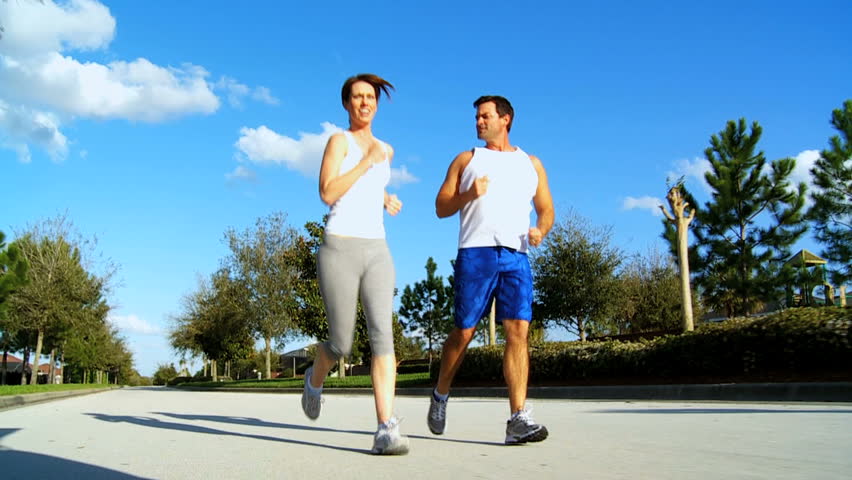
(465,335)
(516,331)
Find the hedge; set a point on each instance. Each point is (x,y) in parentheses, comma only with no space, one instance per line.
(798,342)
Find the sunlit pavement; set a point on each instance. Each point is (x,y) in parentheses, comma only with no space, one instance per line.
(156,432)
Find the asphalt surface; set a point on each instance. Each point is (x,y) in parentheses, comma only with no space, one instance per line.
(154,432)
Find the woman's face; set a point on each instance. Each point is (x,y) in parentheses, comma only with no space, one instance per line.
(362,103)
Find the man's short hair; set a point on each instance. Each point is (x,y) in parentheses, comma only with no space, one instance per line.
(503,107)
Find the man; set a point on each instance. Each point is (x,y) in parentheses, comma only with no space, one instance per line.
(492,188)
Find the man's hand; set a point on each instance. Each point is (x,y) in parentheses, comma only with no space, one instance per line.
(535,237)
(392,204)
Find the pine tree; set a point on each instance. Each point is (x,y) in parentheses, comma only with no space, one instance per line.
(831,212)
(428,307)
(745,232)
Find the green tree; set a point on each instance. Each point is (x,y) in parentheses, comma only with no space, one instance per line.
(649,296)
(744,233)
(261,260)
(310,311)
(574,275)
(428,308)
(831,211)
(164,373)
(84,338)
(13,276)
(214,321)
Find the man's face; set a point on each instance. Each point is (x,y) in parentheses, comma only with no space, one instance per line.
(489,124)
(362,102)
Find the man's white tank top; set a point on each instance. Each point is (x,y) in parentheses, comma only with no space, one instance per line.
(360,211)
(501,217)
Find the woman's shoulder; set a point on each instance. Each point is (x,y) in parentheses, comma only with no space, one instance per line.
(387,146)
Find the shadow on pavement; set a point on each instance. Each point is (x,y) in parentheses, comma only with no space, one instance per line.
(27,465)
(667,411)
(255,422)
(154,423)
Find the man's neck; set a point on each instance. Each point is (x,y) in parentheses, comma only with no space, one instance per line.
(501,145)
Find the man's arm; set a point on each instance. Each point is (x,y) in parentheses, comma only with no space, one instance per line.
(449,199)
(543,203)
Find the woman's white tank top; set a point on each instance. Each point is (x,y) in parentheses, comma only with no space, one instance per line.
(360,211)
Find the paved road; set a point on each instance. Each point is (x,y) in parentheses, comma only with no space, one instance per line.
(165,433)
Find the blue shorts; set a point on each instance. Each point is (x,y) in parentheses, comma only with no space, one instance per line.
(483,273)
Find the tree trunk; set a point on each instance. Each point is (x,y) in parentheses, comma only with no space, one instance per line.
(62,365)
(581,328)
(3,367)
(341,367)
(492,323)
(268,352)
(24,363)
(213,372)
(51,373)
(205,360)
(37,357)
(683,263)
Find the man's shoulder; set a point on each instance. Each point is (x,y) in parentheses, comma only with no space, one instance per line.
(464,157)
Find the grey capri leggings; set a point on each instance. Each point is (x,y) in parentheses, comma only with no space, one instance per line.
(347,266)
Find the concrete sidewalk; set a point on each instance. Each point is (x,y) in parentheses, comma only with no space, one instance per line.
(166,433)
(730,392)
(733,392)
(12,401)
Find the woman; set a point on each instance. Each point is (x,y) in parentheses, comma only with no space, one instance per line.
(354,257)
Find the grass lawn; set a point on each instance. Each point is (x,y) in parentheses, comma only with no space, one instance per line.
(358,381)
(23,389)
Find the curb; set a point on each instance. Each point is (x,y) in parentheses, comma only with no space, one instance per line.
(12,401)
(737,392)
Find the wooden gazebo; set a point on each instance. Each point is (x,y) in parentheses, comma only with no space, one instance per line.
(811,268)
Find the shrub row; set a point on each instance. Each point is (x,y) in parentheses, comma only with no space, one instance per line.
(800,342)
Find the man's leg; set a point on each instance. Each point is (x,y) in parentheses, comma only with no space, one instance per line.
(451,357)
(520,428)
(516,362)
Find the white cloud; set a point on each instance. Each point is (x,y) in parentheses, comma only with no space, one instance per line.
(237,91)
(801,173)
(41,78)
(137,90)
(262,94)
(241,173)
(264,146)
(23,126)
(804,163)
(32,28)
(644,203)
(400,176)
(133,324)
(693,172)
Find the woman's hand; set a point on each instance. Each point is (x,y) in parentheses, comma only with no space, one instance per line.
(375,154)
(392,204)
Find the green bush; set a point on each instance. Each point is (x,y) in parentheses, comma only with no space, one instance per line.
(178,380)
(419,368)
(801,342)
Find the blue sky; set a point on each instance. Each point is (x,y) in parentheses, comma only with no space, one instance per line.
(158,125)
